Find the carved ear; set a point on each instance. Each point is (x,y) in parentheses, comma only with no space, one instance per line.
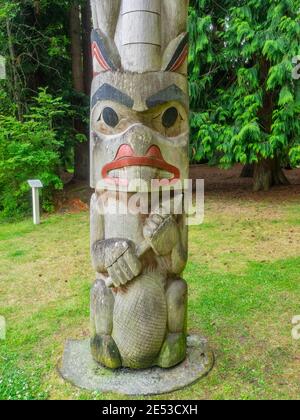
(175,55)
(105,53)
(105,15)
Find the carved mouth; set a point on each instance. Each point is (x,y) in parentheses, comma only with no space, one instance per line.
(125,158)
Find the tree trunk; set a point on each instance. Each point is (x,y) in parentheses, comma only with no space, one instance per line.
(37,7)
(15,78)
(247,171)
(86,46)
(76,48)
(267,173)
(82,161)
(81,150)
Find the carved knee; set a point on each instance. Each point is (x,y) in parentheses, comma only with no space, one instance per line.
(177,305)
(102,307)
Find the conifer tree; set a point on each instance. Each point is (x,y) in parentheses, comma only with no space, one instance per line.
(245,97)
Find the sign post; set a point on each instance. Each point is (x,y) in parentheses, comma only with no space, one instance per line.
(2,68)
(35,184)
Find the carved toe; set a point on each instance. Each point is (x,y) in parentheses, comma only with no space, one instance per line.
(173,351)
(105,351)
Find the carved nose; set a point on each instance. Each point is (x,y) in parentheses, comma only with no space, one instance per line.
(139,140)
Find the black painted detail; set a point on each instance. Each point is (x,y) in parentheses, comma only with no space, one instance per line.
(98,37)
(169,117)
(171,93)
(178,52)
(109,93)
(110,117)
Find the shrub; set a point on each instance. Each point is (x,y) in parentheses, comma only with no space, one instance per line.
(30,149)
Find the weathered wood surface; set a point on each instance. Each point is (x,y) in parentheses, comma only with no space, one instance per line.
(142,32)
(139,133)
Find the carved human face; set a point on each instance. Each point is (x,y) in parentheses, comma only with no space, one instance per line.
(139,128)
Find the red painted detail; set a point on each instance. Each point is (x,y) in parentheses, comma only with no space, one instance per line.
(180,59)
(125,157)
(99,57)
(124,151)
(155,152)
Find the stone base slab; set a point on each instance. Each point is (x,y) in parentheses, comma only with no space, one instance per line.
(79,368)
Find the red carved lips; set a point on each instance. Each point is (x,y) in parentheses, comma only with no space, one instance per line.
(125,157)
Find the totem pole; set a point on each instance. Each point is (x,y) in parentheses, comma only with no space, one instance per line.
(139,132)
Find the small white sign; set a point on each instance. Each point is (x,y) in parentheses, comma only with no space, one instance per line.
(296,69)
(35,183)
(2,328)
(296,329)
(2,68)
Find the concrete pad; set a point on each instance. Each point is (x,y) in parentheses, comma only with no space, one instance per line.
(79,368)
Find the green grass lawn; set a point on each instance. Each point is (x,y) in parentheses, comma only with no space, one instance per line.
(244,280)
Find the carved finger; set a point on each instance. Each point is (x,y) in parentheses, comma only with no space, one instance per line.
(133,263)
(114,276)
(127,274)
(114,251)
(122,276)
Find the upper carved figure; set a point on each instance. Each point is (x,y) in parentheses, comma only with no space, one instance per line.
(140,35)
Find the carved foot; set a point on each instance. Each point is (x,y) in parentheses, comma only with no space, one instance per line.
(173,351)
(105,351)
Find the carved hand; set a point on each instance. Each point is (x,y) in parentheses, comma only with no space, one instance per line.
(161,231)
(122,263)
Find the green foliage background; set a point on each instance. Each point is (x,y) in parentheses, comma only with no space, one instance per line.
(28,147)
(244,99)
(37,114)
(245,103)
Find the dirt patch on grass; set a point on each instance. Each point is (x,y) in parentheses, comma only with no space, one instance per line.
(74,198)
(229,184)
(219,184)
(243,277)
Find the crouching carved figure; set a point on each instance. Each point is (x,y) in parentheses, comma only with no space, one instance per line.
(139,133)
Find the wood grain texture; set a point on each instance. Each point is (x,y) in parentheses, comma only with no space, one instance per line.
(174,19)
(140,321)
(141,35)
(105,15)
(139,134)
(142,32)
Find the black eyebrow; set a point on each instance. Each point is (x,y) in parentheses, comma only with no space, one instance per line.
(171,93)
(109,93)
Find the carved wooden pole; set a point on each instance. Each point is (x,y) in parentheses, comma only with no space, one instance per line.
(139,133)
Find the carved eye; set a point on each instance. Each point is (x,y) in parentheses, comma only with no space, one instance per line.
(169,117)
(110,117)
